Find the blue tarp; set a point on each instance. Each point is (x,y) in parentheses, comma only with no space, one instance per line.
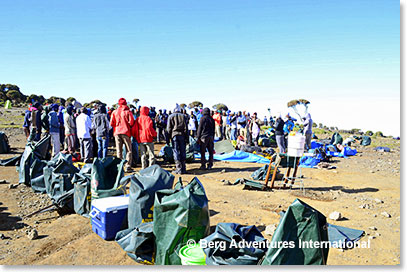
(309,162)
(382,149)
(338,233)
(347,152)
(238,156)
(315,145)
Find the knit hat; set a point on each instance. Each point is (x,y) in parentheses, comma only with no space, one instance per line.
(122,102)
(54,107)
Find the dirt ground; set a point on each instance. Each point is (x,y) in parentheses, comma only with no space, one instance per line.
(354,189)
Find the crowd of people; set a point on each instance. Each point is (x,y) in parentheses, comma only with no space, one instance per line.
(90,130)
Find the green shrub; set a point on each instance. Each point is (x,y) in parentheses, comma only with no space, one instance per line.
(379,134)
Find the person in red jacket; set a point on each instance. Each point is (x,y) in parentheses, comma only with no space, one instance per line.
(122,121)
(145,134)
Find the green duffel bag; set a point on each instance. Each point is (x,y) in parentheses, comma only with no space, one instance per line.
(180,215)
(105,177)
(301,223)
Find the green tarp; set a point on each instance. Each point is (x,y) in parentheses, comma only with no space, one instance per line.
(224,146)
(32,152)
(301,223)
(4,145)
(82,193)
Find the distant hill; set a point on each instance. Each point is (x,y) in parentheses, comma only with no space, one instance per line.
(13,93)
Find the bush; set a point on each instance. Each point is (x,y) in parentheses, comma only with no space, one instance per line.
(379,134)
(369,133)
(355,131)
(220,106)
(197,104)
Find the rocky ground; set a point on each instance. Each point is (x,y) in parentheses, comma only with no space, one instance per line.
(364,189)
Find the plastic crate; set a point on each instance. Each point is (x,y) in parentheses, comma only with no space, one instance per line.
(107,215)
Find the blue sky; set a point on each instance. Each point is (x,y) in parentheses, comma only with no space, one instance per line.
(343,56)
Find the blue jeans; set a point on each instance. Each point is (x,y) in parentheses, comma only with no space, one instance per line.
(233,134)
(103,144)
(179,148)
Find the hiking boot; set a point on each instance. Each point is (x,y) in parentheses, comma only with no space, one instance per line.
(178,167)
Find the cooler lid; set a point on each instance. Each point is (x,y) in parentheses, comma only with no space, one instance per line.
(111,203)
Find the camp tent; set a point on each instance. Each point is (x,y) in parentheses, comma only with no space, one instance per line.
(7,105)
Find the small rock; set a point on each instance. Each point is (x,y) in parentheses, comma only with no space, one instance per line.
(33,234)
(385,214)
(372,237)
(375,215)
(3,181)
(270,229)
(378,201)
(12,186)
(223,171)
(378,234)
(373,228)
(371,171)
(364,206)
(227,182)
(335,216)
(3,237)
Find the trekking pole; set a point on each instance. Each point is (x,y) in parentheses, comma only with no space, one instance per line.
(51,207)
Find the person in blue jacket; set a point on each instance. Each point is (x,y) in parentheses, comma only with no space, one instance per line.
(54,127)
(26,125)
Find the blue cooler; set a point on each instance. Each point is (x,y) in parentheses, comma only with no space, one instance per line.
(108,214)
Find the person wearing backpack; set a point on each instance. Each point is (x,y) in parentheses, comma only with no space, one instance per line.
(102,126)
(177,129)
(145,134)
(122,120)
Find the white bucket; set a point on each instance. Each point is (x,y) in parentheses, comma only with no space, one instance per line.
(296,145)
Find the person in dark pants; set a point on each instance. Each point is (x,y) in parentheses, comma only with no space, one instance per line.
(279,127)
(36,126)
(178,133)
(205,136)
(102,126)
